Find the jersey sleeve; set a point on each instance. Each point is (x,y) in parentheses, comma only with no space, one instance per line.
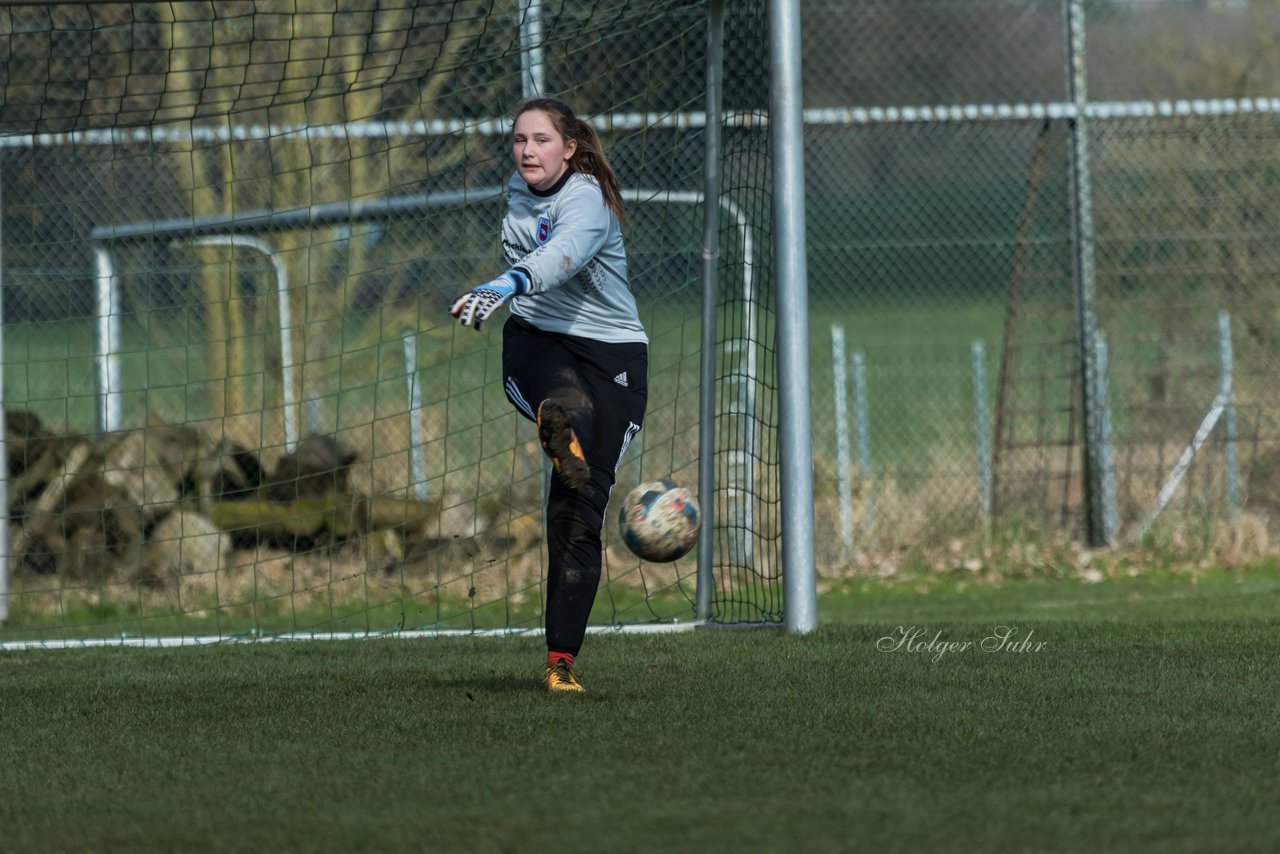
(579,229)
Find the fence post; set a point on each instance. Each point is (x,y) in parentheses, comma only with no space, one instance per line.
(983,435)
(862,414)
(1083,242)
(417,442)
(1110,514)
(108,342)
(1227,358)
(844,485)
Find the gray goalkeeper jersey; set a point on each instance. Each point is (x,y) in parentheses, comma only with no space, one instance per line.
(569,244)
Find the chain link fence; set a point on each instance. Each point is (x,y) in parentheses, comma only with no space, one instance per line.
(1042,236)
(1040,302)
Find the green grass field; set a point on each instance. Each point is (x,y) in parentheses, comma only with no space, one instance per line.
(1132,715)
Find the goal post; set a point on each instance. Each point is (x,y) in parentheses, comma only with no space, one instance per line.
(795,435)
(236,406)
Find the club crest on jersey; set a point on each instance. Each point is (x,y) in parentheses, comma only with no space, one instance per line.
(544,230)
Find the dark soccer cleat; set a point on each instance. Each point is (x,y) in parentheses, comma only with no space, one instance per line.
(561,444)
(561,678)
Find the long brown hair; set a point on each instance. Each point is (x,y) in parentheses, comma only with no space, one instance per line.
(589,157)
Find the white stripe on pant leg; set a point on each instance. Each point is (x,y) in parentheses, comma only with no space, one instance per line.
(632,429)
(515,396)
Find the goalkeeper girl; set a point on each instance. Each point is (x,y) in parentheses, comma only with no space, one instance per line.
(574,353)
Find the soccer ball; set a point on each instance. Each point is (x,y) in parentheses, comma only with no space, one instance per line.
(659,520)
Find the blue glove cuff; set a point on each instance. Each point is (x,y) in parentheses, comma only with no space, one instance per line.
(518,279)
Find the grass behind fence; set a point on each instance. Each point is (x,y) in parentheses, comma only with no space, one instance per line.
(473,440)
(50,367)
(1138,717)
(923,484)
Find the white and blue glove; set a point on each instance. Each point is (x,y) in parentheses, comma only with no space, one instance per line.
(474,307)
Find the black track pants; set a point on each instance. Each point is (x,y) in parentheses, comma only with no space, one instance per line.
(604,388)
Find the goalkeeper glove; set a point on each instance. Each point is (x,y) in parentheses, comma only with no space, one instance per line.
(474,307)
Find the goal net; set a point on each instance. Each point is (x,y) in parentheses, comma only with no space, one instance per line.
(235,404)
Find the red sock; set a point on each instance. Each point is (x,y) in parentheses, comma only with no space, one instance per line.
(554,658)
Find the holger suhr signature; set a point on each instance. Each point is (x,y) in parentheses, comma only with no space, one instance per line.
(918,639)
